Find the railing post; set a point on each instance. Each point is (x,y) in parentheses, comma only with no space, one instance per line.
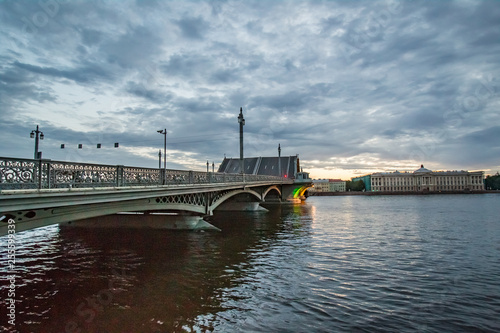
(49,185)
(119,175)
(163,177)
(191,177)
(40,174)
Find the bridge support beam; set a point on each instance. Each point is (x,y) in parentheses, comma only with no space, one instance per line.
(241,206)
(168,221)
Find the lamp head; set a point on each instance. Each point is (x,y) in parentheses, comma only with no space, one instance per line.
(32,134)
(241,120)
(41,136)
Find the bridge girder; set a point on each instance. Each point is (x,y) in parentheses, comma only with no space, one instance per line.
(37,210)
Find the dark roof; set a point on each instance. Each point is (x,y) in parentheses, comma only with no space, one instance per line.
(261,166)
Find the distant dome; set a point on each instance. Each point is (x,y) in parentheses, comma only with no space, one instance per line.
(422,170)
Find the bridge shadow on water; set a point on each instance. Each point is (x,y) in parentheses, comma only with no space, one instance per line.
(138,280)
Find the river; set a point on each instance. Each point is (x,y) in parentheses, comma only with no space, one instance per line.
(423,263)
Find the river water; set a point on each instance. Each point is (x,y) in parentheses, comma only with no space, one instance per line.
(428,263)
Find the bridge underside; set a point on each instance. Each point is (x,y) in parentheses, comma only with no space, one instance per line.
(160,207)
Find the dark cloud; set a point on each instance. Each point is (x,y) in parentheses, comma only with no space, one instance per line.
(192,27)
(85,74)
(91,37)
(134,48)
(187,65)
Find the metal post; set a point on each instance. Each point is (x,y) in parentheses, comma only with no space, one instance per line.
(165,151)
(241,121)
(36,144)
(40,171)
(49,185)
(279,160)
(164,132)
(38,135)
(119,176)
(159,159)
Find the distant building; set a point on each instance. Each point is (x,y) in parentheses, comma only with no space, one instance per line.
(328,185)
(320,185)
(337,185)
(366,180)
(426,180)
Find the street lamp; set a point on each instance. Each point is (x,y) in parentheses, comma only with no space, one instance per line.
(38,135)
(164,132)
(241,121)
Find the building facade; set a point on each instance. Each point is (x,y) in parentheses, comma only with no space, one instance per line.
(328,185)
(337,185)
(423,180)
(366,180)
(320,185)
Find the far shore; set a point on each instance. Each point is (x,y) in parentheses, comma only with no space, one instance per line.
(322,194)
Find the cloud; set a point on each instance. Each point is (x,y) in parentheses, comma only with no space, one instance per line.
(84,74)
(367,85)
(192,27)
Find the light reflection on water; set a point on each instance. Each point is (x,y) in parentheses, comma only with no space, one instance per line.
(357,264)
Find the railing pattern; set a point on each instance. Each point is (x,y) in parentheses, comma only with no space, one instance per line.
(18,173)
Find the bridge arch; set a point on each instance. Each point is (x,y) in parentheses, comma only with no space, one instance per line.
(223,197)
(271,188)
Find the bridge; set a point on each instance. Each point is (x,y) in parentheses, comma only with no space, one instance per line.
(38,192)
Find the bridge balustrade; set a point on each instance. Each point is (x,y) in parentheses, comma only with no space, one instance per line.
(16,173)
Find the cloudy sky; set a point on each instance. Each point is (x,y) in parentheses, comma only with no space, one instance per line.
(353,87)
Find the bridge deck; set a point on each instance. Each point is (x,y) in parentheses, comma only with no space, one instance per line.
(13,200)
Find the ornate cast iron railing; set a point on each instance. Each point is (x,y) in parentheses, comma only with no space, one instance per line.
(16,173)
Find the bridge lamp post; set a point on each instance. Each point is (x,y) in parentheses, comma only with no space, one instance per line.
(164,132)
(38,135)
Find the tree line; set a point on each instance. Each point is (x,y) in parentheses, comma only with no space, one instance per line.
(357,185)
(492,182)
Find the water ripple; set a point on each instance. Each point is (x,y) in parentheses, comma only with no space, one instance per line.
(341,264)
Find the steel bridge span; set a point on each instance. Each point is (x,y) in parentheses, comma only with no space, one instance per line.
(37,193)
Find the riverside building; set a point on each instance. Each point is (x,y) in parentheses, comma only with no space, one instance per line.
(425,180)
(328,185)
